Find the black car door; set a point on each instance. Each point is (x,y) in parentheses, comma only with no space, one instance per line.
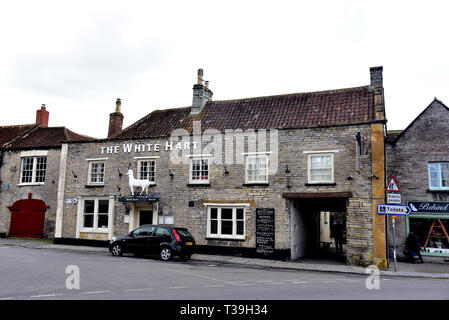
(141,237)
(160,236)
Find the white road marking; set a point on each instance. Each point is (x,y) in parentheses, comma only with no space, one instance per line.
(178,287)
(263,281)
(94,292)
(301,282)
(143,289)
(243,284)
(47,295)
(214,286)
(273,283)
(199,275)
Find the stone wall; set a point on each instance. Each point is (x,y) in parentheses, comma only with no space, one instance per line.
(12,191)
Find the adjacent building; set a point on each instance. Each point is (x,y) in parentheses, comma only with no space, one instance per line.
(29,172)
(418,160)
(255,176)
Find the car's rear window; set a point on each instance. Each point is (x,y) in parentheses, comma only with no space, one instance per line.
(183,232)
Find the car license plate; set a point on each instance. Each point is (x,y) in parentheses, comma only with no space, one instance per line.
(189,243)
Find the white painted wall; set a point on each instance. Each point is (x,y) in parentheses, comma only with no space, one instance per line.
(298,233)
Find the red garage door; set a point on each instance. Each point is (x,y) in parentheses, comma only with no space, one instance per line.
(27,218)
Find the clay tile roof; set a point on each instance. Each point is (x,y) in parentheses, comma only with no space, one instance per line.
(298,110)
(48,137)
(9,134)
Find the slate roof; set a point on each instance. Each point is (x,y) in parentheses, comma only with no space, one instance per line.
(298,110)
(47,137)
(11,133)
(392,135)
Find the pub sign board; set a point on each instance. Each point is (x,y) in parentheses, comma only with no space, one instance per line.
(146,198)
(265,232)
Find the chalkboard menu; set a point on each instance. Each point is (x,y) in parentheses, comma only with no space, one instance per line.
(265,231)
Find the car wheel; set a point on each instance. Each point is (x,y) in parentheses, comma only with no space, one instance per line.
(166,253)
(117,250)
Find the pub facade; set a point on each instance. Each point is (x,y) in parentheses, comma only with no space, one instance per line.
(251,177)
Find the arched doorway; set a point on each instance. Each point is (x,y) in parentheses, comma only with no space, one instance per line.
(27,218)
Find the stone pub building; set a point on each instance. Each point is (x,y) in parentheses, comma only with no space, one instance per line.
(256,177)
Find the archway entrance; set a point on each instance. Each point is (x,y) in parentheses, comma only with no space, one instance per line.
(315,220)
(27,218)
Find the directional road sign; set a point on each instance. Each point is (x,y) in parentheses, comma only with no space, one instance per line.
(393,209)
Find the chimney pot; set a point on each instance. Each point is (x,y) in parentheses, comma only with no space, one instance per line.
(118,105)
(200,76)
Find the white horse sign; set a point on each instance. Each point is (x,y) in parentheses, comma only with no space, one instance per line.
(133,182)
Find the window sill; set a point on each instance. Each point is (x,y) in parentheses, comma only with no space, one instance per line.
(225,239)
(31,184)
(91,230)
(205,184)
(437,191)
(255,184)
(321,184)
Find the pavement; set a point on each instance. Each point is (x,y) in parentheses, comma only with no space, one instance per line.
(425,270)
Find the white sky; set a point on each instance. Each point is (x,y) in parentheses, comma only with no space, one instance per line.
(78,57)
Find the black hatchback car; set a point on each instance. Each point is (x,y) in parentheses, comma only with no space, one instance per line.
(166,241)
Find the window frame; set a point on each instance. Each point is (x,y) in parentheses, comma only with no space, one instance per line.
(33,170)
(440,187)
(139,161)
(219,234)
(201,181)
(254,156)
(89,173)
(309,167)
(96,214)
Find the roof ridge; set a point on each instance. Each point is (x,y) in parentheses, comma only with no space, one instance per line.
(79,134)
(293,94)
(18,125)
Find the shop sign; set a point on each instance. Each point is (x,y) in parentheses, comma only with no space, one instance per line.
(430,207)
(393,209)
(394,198)
(146,198)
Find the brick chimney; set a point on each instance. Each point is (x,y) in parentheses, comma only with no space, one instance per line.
(42,116)
(378,87)
(116,119)
(201,94)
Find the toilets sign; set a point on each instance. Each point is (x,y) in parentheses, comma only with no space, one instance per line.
(393,209)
